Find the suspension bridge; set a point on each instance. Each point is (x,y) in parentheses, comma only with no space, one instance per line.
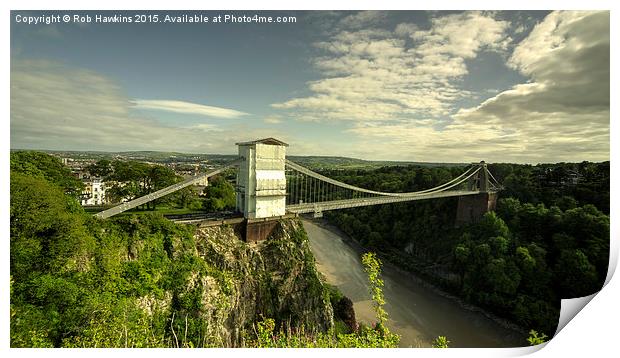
(269,187)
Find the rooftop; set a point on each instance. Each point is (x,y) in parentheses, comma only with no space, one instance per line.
(268,141)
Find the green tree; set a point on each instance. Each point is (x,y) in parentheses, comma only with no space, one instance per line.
(575,275)
(566,203)
(41,165)
(134,179)
(51,251)
(372,266)
(183,198)
(591,229)
(102,168)
(490,226)
(219,195)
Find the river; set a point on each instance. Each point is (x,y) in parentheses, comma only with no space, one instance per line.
(416,312)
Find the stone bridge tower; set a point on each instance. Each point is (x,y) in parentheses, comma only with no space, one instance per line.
(471,208)
(261,185)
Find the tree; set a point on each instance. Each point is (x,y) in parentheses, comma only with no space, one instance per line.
(219,195)
(134,179)
(566,203)
(184,198)
(101,168)
(41,165)
(50,247)
(591,229)
(575,275)
(372,266)
(501,278)
(491,225)
(375,240)
(128,178)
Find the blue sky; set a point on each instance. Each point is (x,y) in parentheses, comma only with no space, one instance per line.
(516,86)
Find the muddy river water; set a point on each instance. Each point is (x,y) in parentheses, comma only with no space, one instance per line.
(416,311)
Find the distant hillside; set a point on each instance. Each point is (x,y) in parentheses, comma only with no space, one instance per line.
(320,162)
(315,162)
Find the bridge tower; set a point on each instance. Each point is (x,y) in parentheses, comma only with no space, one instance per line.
(471,208)
(261,185)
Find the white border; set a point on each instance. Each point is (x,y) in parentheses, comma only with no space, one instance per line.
(592,331)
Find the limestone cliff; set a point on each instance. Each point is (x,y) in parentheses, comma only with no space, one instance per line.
(238,284)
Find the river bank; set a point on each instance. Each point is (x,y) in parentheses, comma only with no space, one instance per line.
(418,311)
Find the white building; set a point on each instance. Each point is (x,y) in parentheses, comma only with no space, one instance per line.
(261,183)
(94,192)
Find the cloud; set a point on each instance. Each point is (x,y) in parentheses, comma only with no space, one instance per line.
(373,74)
(188,108)
(58,107)
(396,90)
(406,29)
(401,91)
(206,127)
(461,35)
(363,19)
(273,119)
(562,113)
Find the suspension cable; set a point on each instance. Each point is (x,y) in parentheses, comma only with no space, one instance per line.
(492,177)
(340,184)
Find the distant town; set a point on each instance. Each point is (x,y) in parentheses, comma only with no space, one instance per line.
(95,188)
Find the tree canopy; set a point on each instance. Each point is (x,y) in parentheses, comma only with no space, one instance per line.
(548,238)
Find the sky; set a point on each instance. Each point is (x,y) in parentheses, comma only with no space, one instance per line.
(433,86)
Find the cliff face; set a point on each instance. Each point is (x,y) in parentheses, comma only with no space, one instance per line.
(243,283)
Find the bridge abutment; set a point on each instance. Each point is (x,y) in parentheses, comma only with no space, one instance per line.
(258,230)
(255,230)
(471,208)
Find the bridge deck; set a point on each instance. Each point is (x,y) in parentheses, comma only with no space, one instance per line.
(162,192)
(354,203)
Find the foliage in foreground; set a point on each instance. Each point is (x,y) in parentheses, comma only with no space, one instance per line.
(534,339)
(366,337)
(81,282)
(372,266)
(440,342)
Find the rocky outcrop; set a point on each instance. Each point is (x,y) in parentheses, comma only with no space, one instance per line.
(239,283)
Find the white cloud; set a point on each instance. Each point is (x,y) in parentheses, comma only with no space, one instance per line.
(62,108)
(57,107)
(562,113)
(363,19)
(461,35)
(188,108)
(372,74)
(394,94)
(406,29)
(273,119)
(207,127)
